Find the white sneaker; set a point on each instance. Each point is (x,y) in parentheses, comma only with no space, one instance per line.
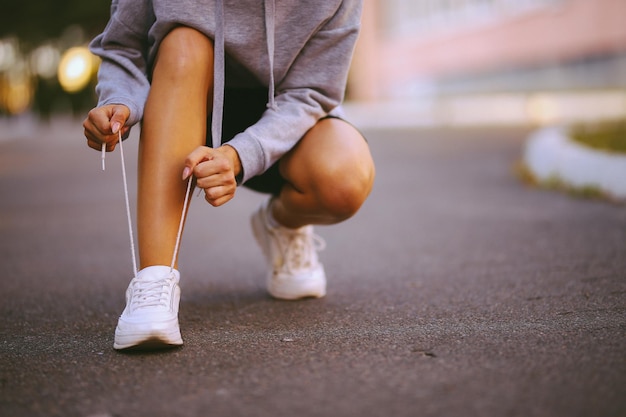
(150,319)
(294,269)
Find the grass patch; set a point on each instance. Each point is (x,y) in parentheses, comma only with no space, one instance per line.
(607,136)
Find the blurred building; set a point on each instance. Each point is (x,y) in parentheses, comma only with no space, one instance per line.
(413,48)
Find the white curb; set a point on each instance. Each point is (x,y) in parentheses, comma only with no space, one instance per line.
(551,154)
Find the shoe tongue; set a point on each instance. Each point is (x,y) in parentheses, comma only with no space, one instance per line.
(154,273)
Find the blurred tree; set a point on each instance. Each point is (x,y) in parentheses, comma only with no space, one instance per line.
(34,21)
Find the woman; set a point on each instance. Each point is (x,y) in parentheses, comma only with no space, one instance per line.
(268,77)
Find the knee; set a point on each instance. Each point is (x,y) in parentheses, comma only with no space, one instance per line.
(338,183)
(346,188)
(185,51)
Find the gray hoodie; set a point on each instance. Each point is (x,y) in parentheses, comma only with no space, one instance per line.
(300,50)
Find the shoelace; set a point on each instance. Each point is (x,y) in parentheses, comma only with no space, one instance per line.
(153,293)
(299,249)
(129,218)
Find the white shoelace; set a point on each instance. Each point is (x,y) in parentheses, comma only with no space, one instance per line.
(157,284)
(299,249)
(151,293)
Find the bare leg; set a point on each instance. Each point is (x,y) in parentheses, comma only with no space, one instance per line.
(330,173)
(174,124)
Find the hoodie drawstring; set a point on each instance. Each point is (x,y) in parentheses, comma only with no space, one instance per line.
(270,23)
(218,75)
(218,65)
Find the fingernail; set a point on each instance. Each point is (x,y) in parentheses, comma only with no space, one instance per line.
(186,173)
(116,126)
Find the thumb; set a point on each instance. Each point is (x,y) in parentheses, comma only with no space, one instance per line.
(198,155)
(118,119)
(115,127)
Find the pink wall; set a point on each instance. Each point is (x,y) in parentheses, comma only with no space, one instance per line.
(575,28)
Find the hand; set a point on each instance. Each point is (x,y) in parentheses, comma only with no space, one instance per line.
(215,171)
(103,124)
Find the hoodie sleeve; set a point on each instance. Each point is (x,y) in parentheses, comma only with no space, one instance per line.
(123,48)
(313,87)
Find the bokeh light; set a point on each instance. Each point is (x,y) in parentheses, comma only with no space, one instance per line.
(8,53)
(75,69)
(16,83)
(18,94)
(44,61)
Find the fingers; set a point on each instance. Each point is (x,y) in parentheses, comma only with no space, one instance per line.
(214,174)
(103,125)
(217,196)
(219,188)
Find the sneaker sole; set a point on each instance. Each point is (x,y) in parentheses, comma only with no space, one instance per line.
(297,294)
(148,341)
(313,287)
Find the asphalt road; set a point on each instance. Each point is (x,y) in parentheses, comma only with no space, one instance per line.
(456,291)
